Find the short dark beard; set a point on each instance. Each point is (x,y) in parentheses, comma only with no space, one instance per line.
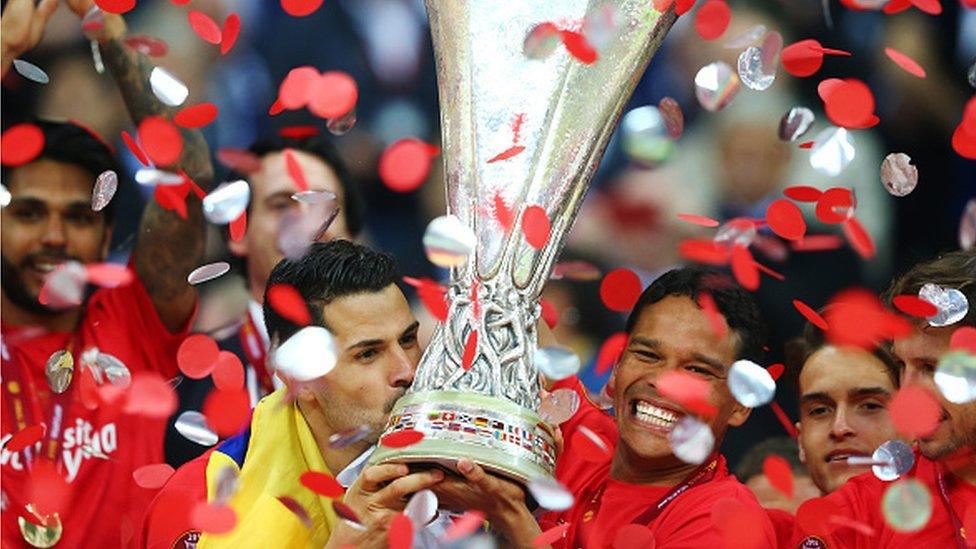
(12,280)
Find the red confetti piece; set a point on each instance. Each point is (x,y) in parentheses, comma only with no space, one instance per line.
(196,116)
(912,305)
(806,145)
(228,372)
(744,268)
(536,226)
(590,446)
(49,491)
(405,164)
(227,412)
(432,295)
(700,220)
(205,27)
(715,318)
(896,6)
(551,535)
(803,193)
(549,313)
(834,205)
(860,240)
(470,350)
(322,484)
(300,8)
(610,351)
(402,439)
(239,160)
(683,6)
(818,243)
(400,533)
(109,275)
(704,251)
(213,518)
(849,104)
(296,508)
(238,227)
(151,396)
(931,7)
(964,142)
(776,370)
(688,391)
(507,153)
(503,214)
(333,95)
(813,516)
(779,474)
(577,46)
(712,19)
(964,339)
(634,536)
(856,317)
(21,144)
(116,6)
(172,197)
(914,412)
(298,132)
(276,108)
(230,32)
(28,436)
(295,171)
(620,290)
(785,219)
(810,314)
(295,90)
(784,420)
(153,477)
(804,58)
(464,526)
(289,303)
(770,272)
(197,356)
(161,140)
(908,64)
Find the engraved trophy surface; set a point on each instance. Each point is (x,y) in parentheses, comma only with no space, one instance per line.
(562,111)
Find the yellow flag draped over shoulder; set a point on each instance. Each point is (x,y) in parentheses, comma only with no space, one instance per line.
(279,449)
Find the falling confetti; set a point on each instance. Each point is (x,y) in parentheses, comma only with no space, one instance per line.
(21,144)
(832,151)
(402,439)
(448,242)
(31,71)
(105,186)
(227,202)
(955,376)
(914,412)
(292,357)
(898,175)
(691,440)
(757,65)
(795,123)
(559,405)
(322,484)
(751,384)
(556,362)
(550,494)
(193,426)
(908,64)
(950,302)
(197,355)
(404,165)
(207,272)
(332,95)
(716,84)
(229,33)
(906,505)
(712,19)
(620,289)
(167,88)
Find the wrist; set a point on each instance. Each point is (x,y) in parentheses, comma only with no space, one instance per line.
(516,525)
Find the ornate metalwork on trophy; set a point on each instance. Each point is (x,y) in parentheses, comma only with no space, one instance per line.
(557,113)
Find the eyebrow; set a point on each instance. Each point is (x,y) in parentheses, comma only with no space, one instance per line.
(858,392)
(810,397)
(699,357)
(24,201)
(373,342)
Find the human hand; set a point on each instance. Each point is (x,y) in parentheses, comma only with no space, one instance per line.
(113,27)
(21,28)
(502,501)
(377,496)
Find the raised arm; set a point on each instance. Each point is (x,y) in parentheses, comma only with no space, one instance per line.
(167,246)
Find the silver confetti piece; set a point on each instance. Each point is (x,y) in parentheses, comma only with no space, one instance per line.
(955,376)
(906,505)
(716,85)
(559,405)
(167,88)
(967,225)
(448,242)
(736,232)
(313,197)
(421,509)
(113,370)
(952,304)
(349,436)
(59,370)
(207,272)
(342,124)
(97,58)
(795,123)
(307,355)
(152,176)
(556,362)
(65,286)
(898,175)
(550,494)
(31,71)
(227,202)
(749,37)
(193,426)
(228,481)
(897,458)
(757,64)
(4,196)
(541,41)
(105,187)
(750,384)
(691,440)
(832,151)
(644,136)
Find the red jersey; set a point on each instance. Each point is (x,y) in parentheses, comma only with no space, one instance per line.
(604,505)
(859,500)
(100,448)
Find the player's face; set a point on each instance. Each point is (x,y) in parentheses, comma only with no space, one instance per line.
(844,394)
(48,222)
(670,335)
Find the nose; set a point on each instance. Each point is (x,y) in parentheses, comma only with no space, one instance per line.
(54,235)
(841,428)
(402,369)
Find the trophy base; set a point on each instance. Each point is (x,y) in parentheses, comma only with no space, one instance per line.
(497,434)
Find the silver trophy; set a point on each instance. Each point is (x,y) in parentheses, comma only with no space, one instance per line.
(494,97)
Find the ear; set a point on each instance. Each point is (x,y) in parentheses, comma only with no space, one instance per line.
(803,455)
(238,247)
(739,415)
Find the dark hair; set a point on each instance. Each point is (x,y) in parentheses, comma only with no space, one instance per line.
(736,305)
(317,145)
(327,271)
(751,464)
(71,143)
(799,350)
(952,270)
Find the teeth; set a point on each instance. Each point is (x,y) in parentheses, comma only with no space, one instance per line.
(653,415)
(46,267)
